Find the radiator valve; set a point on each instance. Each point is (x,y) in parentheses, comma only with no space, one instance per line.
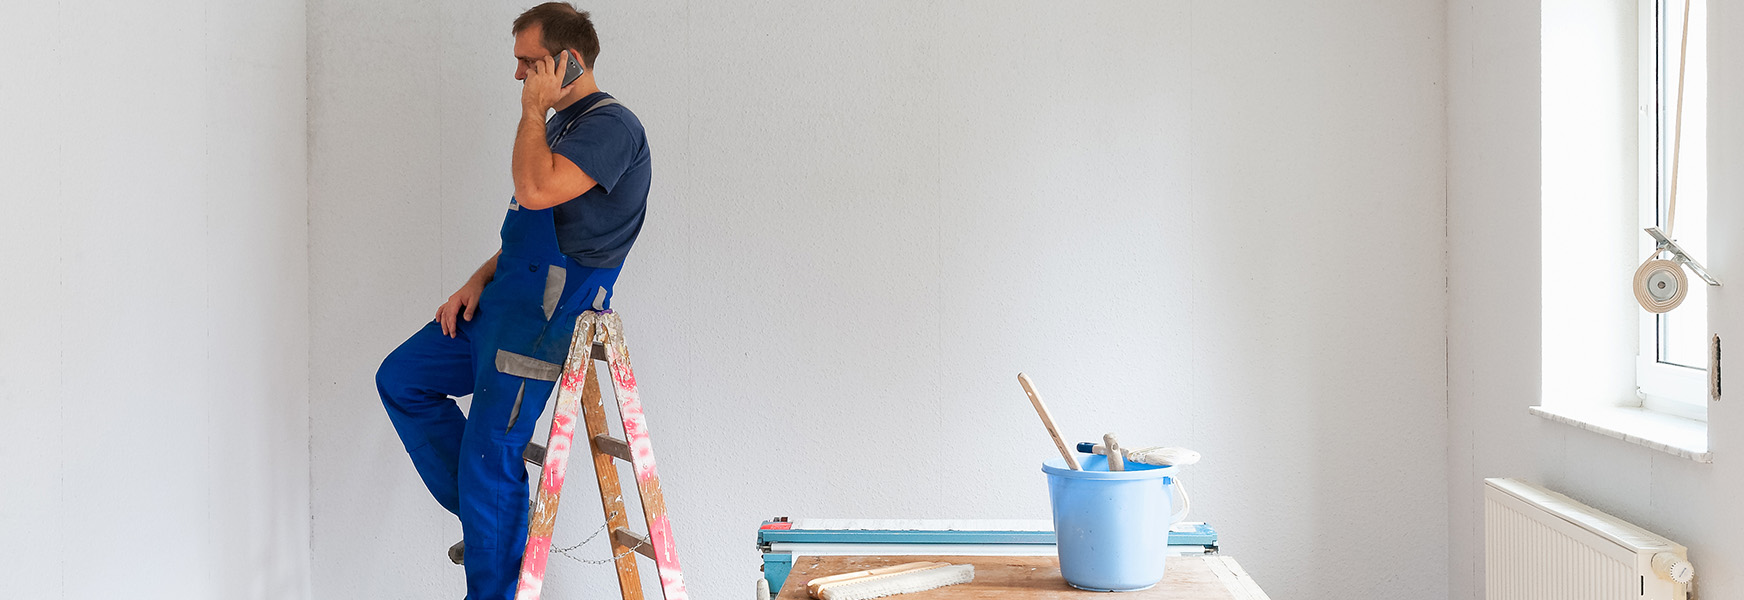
(1673,567)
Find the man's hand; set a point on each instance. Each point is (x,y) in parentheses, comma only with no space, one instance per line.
(462,304)
(543,86)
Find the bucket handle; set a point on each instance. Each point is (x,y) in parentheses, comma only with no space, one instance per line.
(1186,504)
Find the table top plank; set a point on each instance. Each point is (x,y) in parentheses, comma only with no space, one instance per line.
(1038,577)
(1242,586)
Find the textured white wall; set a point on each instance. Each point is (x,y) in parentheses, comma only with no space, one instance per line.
(1493,346)
(867,217)
(153,353)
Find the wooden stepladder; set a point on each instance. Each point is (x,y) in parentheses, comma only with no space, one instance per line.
(600,336)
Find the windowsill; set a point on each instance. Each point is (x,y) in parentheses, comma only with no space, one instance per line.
(1666,433)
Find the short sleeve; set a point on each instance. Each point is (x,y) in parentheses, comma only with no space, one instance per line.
(601,146)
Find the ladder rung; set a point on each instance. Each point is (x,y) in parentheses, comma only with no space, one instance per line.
(535,454)
(634,541)
(613,446)
(599,352)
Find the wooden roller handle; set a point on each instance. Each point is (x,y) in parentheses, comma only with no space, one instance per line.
(1035,398)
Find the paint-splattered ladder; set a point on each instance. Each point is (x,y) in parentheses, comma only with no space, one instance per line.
(600,336)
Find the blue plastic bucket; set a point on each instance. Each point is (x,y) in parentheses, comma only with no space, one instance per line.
(1112,528)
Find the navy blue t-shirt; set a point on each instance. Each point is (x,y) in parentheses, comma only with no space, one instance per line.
(598,227)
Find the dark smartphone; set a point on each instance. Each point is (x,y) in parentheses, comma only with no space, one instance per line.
(571,68)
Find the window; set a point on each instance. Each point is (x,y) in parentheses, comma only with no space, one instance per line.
(1609,133)
(1671,365)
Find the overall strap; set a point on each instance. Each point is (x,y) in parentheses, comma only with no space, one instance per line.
(598,104)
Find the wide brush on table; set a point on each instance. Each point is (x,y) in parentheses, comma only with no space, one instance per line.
(1024,577)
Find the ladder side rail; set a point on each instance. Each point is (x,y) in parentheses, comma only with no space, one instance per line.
(611,491)
(576,371)
(642,460)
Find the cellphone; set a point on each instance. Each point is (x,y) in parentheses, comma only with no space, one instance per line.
(571,68)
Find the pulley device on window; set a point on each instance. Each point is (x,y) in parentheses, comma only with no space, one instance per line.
(1660,284)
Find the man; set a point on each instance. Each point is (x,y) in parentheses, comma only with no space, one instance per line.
(581,188)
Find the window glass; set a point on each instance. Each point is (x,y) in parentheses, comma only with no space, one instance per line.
(1682,332)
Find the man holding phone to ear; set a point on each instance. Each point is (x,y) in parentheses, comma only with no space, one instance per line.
(581,189)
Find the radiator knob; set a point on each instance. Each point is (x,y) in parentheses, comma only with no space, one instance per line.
(1673,567)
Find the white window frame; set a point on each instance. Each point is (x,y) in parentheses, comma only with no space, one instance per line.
(1662,387)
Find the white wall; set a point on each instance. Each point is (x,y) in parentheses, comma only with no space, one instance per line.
(1493,346)
(153,352)
(868,217)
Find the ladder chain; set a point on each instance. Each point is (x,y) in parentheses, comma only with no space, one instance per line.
(590,538)
(602,529)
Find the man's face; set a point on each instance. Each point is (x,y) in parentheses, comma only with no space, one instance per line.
(528,49)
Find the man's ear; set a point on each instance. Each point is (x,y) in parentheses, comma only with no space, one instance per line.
(578,62)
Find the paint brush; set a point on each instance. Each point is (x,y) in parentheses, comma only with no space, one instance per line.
(1035,398)
(1155,455)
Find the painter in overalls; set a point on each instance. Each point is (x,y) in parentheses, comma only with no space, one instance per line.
(581,188)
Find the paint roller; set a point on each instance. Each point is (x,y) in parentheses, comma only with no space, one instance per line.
(889,581)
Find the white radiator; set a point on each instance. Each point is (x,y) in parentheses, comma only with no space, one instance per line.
(1541,545)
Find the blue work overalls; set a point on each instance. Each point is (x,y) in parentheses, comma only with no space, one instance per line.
(504,356)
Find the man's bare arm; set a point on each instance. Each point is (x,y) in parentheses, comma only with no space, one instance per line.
(487,271)
(542,179)
(464,302)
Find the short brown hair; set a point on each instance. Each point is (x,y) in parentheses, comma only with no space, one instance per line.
(562,27)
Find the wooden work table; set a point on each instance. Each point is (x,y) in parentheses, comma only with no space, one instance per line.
(1023,577)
